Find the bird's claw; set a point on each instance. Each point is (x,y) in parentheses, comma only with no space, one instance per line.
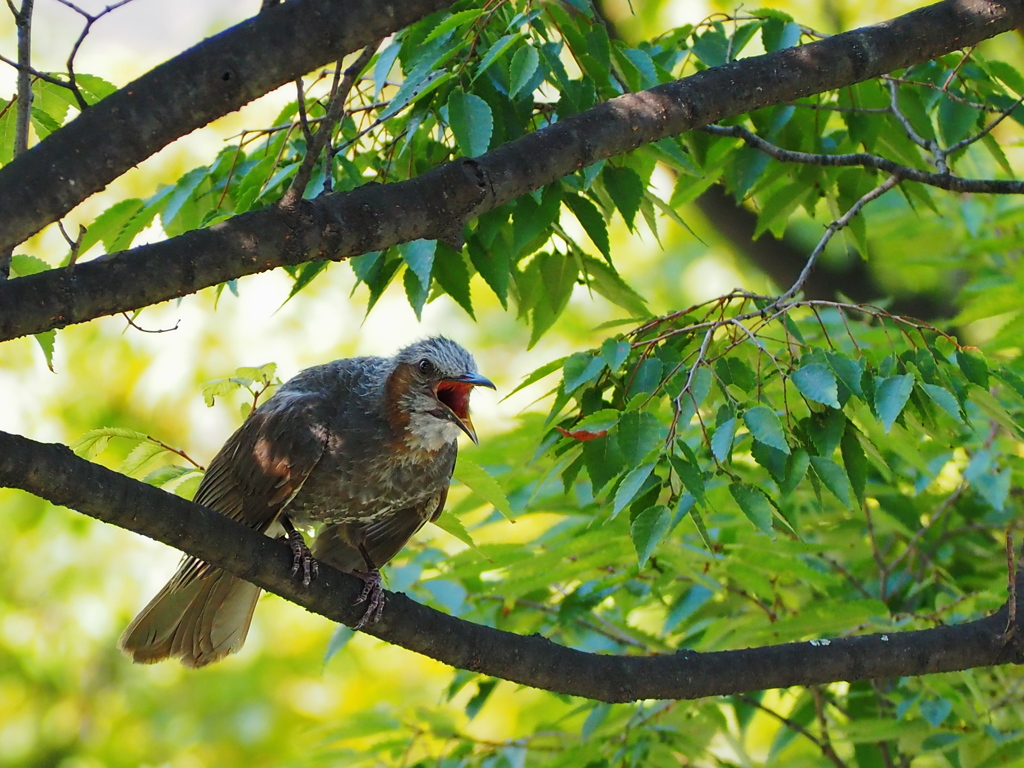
(302,558)
(372,595)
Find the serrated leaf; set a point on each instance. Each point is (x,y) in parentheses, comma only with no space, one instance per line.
(451,274)
(494,52)
(766,427)
(592,221)
(581,368)
(630,486)
(452,525)
(92,443)
(626,190)
(460,19)
(419,256)
(471,122)
(850,371)
(478,480)
(545,370)
(415,292)
(721,441)
(141,455)
(648,529)
(973,365)
(943,398)
(521,70)
(855,461)
(23,265)
(339,639)
(817,382)
(690,476)
(614,353)
(607,282)
(891,395)
(754,504)
(639,434)
(47,340)
(833,477)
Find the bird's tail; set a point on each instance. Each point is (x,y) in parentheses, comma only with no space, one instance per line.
(199,620)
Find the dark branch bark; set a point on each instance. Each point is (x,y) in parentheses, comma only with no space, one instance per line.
(210,80)
(56,474)
(436,205)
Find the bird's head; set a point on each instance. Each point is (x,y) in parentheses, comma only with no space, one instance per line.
(429,389)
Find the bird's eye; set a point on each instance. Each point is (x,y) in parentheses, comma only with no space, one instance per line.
(425,366)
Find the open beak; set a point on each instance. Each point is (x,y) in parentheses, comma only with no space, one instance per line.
(454,393)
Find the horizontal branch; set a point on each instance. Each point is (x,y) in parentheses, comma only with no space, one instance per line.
(56,474)
(437,204)
(205,82)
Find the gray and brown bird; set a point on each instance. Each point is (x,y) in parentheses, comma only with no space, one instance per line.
(364,447)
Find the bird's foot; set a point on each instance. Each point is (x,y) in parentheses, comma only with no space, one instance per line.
(302,558)
(372,595)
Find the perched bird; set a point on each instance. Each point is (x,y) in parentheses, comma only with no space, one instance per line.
(365,446)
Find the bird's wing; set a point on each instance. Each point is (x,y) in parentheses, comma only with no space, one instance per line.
(262,466)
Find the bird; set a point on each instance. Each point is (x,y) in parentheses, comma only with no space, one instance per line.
(364,447)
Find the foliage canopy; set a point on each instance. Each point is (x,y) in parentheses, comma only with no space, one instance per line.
(794,461)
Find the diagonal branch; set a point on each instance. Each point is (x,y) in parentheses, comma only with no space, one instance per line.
(208,81)
(437,204)
(56,474)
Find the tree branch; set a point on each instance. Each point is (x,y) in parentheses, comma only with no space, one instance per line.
(437,204)
(56,474)
(210,80)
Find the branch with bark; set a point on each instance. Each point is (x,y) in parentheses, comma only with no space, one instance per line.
(437,204)
(54,473)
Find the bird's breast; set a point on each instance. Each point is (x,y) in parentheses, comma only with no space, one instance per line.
(360,479)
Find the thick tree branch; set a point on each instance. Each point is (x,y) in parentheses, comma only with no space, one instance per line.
(437,204)
(56,474)
(210,80)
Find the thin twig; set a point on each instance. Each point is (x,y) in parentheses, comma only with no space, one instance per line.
(946,181)
(834,227)
(315,144)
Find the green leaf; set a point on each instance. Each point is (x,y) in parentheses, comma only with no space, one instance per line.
(460,19)
(891,394)
(603,460)
(592,221)
(625,189)
(956,120)
(480,482)
(639,434)
(630,486)
(850,371)
(521,70)
(648,529)
(545,370)
(451,274)
(765,427)
(23,265)
(581,368)
(419,256)
(721,441)
(943,398)
(614,353)
(494,266)
(754,504)
(690,475)
(94,442)
(494,52)
(973,365)
(606,281)
(47,340)
(471,122)
(833,477)
(817,382)
(855,461)
(415,292)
